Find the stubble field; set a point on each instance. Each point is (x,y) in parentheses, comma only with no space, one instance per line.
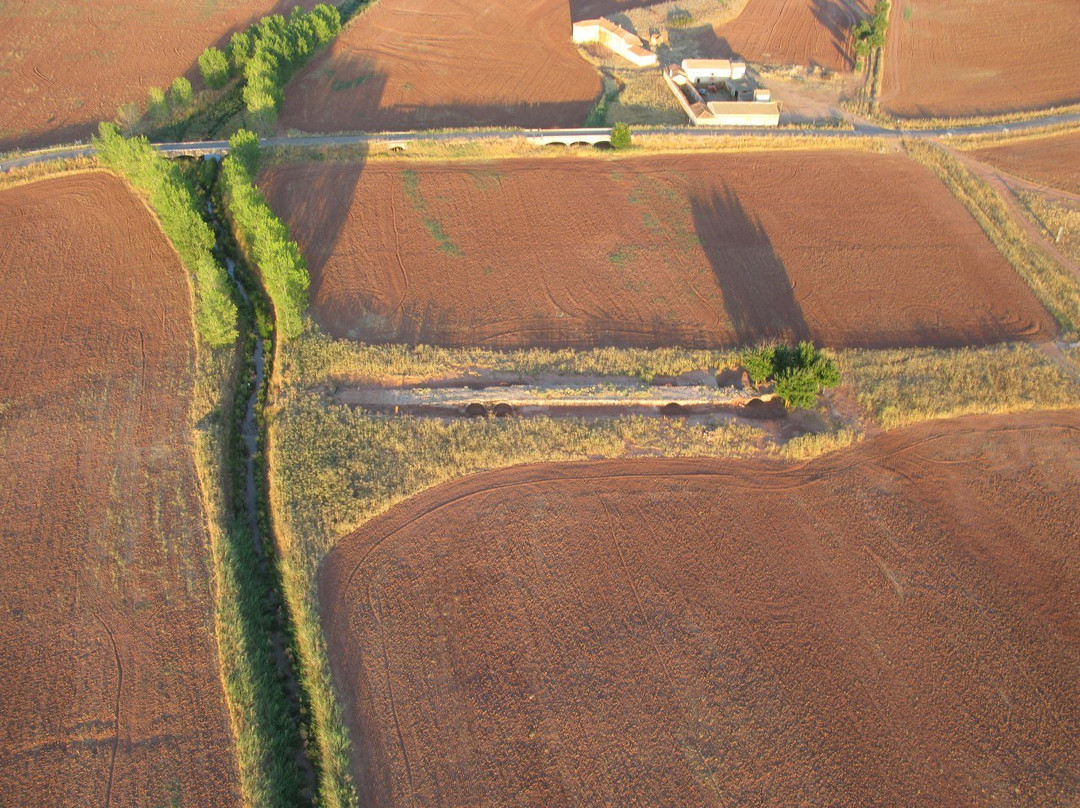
(972,57)
(112,693)
(437,63)
(68,64)
(850,249)
(895,624)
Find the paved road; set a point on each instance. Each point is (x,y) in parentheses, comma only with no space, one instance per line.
(862,129)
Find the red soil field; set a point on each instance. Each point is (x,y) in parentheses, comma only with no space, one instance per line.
(812,33)
(894,625)
(851,249)
(413,64)
(1052,161)
(111,691)
(974,57)
(70,63)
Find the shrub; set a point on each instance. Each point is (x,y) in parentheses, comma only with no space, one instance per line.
(800,372)
(620,136)
(180,94)
(177,208)
(214,68)
(759,363)
(679,18)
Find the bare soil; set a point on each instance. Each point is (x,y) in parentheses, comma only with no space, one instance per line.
(972,57)
(893,625)
(111,689)
(1051,161)
(809,33)
(850,249)
(414,64)
(68,64)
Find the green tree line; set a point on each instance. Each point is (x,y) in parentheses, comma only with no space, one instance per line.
(869,35)
(268,53)
(266,238)
(174,201)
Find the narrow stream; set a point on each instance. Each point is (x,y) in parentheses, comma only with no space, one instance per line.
(248,429)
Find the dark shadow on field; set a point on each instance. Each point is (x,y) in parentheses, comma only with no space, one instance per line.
(698,42)
(837,18)
(755,285)
(318,211)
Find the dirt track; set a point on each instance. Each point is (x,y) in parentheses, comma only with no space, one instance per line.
(973,57)
(892,625)
(111,690)
(71,63)
(414,64)
(851,249)
(1052,161)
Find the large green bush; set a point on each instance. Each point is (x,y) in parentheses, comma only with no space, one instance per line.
(175,204)
(800,372)
(620,136)
(265,237)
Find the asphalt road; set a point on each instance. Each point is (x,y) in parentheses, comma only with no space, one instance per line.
(862,129)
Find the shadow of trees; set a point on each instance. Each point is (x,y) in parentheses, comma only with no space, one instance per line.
(757,292)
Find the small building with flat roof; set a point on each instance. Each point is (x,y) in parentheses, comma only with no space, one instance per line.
(705,70)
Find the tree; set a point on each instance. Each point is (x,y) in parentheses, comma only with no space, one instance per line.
(239,50)
(214,68)
(180,94)
(620,136)
(128,116)
(157,105)
(759,363)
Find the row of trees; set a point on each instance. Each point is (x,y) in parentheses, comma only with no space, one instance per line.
(268,53)
(174,201)
(282,266)
(800,373)
(869,35)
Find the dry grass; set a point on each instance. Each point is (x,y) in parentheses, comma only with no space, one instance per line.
(1060,223)
(1055,286)
(51,168)
(977,120)
(1000,138)
(904,387)
(317,358)
(504,147)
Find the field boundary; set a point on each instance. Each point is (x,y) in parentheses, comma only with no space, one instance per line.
(1056,287)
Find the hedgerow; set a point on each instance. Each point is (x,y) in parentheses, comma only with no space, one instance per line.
(270,52)
(174,202)
(266,238)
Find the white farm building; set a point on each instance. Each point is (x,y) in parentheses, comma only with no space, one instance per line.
(614,38)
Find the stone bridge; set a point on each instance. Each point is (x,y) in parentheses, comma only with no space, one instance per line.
(569,137)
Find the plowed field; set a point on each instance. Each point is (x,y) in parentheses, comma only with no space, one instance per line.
(70,63)
(852,249)
(111,690)
(1051,161)
(974,57)
(896,625)
(812,33)
(414,64)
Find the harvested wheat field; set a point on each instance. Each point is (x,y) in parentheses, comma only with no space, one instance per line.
(111,689)
(897,624)
(980,57)
(851,249)
(415,64)
(71,63)
(1051,161)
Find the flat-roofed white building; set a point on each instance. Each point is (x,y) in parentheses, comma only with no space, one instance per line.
(704,70)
